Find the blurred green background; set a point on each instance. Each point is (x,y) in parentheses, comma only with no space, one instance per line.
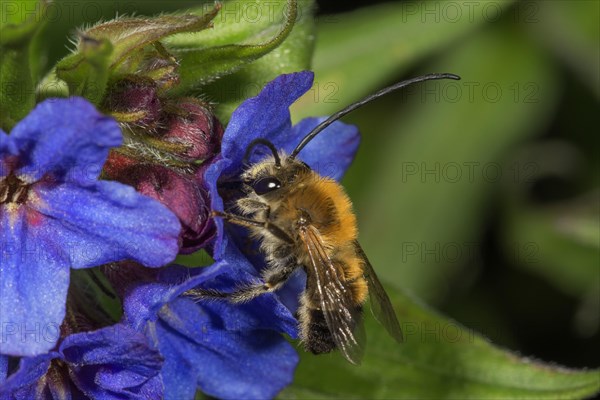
(479,198)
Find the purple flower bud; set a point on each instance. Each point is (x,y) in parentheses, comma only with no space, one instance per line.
(183,194)
(134,100)
(191,123)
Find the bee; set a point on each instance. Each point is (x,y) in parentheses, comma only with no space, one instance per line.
(304,220)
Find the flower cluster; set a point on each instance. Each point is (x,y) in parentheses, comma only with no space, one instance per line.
(106,181)
(57,215)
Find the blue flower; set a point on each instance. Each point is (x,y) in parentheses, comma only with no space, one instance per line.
(227,351)
(267,116)
(3,368)
(110,363)
(55,215)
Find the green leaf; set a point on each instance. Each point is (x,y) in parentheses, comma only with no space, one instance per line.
(210,55)
(95,291)
(17,86)
(439,359)
(198,259)
(360,51)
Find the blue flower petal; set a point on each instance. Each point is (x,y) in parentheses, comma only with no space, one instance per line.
(66,137)
(113,362)
(265,312)
(34,279)
(228,350)
(179,373)
(225,364)
(23,383)
(114,381)
(109,222)
(264,116)
(211,176)
(110,363)
(145,299)
(117,345)
(331,152)
(3,368)
(142,303)
(289,294)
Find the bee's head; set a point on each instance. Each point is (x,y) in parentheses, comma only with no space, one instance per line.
(275,174)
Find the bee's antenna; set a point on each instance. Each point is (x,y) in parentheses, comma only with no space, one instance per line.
(265,142)
(311,135)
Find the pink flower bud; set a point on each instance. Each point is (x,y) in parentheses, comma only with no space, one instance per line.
(134,100)
(192,124)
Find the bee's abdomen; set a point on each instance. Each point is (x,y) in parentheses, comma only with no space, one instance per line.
(316,335)
(353,276)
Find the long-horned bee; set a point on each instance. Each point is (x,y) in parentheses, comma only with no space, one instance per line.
(304,220)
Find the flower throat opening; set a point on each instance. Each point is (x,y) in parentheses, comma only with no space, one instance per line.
(13,190)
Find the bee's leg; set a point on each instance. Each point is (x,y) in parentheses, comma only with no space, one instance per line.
(249,206)
(249,222)
(274,278)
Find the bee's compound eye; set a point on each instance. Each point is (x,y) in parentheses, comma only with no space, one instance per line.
(266,185)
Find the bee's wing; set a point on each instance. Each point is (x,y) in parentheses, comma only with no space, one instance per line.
(380,302)
(343,317)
